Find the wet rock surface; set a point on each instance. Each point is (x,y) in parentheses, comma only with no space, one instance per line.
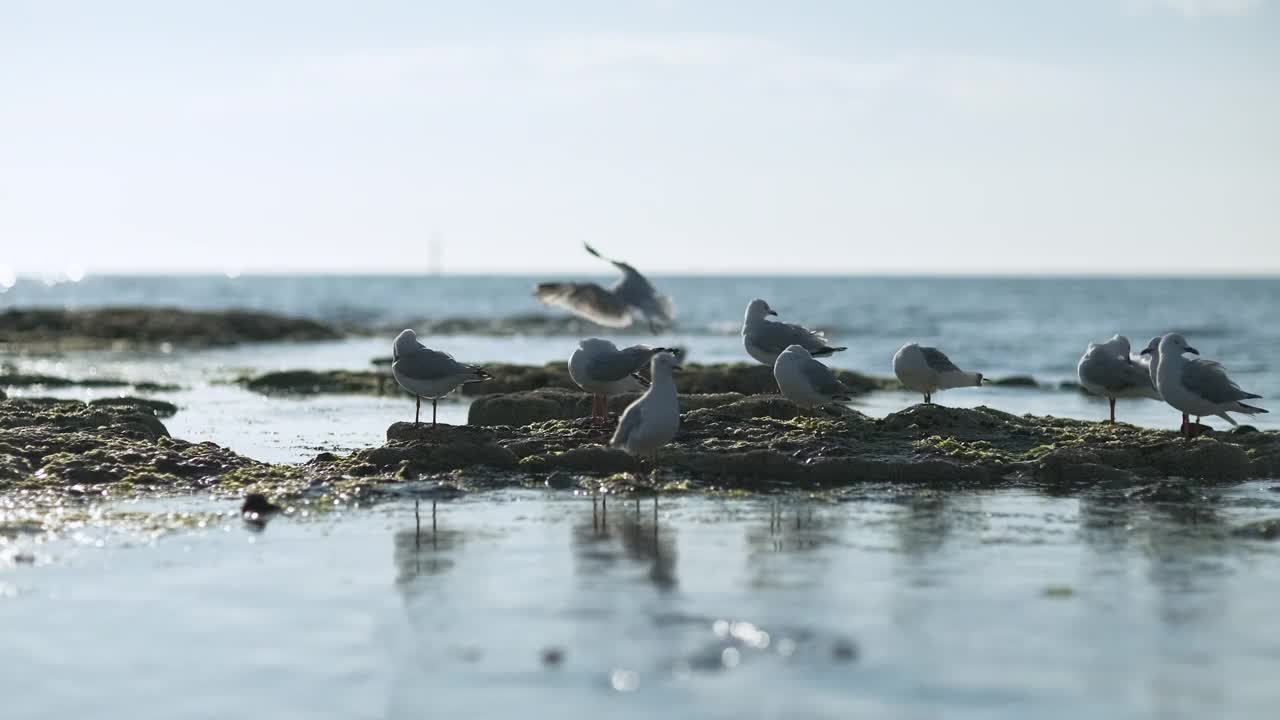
(26,380)
(159,408)
(764,443)
(311,382)
(728,442)
(67,446)
(123,328)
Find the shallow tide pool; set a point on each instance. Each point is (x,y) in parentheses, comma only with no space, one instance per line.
(888,603)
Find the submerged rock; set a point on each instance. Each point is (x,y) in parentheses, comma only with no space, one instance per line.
(125,327)
(24,380)
(1268,529)
(310,382)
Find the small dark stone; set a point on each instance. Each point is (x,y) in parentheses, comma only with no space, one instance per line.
(1244,430)
(552,657)
(258,504)
(844,651)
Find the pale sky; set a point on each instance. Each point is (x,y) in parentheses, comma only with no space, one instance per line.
(1119,136)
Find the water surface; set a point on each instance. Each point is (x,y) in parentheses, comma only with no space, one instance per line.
(894,604)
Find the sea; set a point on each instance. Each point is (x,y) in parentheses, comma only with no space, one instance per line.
(880,602)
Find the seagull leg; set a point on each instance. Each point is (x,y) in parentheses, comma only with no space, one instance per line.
(928,399)
(433,411)
(417,410)
(1112,403)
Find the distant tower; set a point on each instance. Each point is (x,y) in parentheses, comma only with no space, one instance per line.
(435,254)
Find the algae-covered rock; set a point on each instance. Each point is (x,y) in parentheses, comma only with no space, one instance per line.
(421,449)
(67,445)
(159,408)
(124,327)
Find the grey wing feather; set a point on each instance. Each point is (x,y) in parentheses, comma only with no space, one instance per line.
(631,419)
(776,336)
(822,379)
(1113,373)
(634,289)
(425,364)
(587,300)
(938,361)
(1209,380)
(617,365)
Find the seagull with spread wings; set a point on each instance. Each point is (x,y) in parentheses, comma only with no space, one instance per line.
(614,307)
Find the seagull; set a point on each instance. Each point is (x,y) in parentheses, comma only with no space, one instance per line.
(600,368)
(927,370)
(1107,369)
(653,419)
(429,373)
(765,340)
(1152,353)
(613,307)
(1198,387)
(805,381)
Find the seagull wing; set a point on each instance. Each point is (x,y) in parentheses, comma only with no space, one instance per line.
(586,300)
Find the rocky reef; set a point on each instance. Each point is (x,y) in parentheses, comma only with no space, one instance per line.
(58,329)
(727,442)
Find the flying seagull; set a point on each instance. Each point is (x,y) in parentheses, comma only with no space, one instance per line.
(613,307)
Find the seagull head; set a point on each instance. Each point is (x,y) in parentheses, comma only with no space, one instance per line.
(1152,348)
(1174,344)
(1119,344)
(597,345)
(405,342)
(758,309)
(664,361)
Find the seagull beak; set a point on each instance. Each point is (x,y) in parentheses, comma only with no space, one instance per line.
(1145,351)
(1192,350)
(676,368)
(772,312)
